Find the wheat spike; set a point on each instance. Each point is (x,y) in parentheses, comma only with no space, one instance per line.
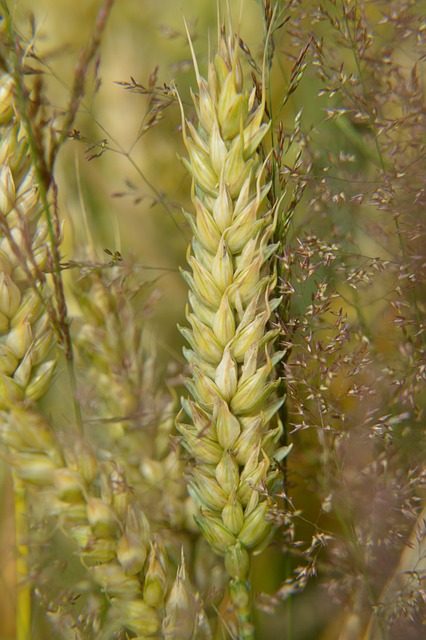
(228,433)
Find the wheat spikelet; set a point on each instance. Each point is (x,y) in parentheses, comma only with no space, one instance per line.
(25,333)
(229,435)
(184,618)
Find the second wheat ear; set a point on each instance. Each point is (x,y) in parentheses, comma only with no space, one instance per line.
(231,431)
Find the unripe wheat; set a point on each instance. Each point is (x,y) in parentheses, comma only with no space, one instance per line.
(229,435)
(25,333)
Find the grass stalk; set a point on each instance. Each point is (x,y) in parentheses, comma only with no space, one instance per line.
(240,594)
(23,599)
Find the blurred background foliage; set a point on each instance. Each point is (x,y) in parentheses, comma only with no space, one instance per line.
(351,266)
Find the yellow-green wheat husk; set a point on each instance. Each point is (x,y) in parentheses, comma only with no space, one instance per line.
(230,433)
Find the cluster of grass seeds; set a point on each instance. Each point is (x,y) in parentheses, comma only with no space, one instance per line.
(352,274)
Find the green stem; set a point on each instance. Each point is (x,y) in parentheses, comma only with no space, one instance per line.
(240,594)
(23,600)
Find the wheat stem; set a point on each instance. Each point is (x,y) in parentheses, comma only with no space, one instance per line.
(23,600)
(240,594)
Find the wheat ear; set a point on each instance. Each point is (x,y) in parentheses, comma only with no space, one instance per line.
(229,435)
(26,336)
(93,504)
(119,367)
(25,333)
